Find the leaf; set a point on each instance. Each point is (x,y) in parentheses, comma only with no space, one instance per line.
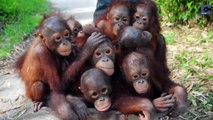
(189,4)
(210,77)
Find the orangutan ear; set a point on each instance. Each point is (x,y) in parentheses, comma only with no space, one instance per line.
(80,89)
(107,16)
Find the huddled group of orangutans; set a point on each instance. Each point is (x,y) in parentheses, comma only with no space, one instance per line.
(117,63)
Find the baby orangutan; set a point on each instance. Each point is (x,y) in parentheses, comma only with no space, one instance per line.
(96,87)
(138,71)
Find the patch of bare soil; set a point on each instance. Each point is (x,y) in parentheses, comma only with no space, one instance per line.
(7,64)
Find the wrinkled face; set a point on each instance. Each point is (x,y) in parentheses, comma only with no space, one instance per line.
(136,70)
(104,57)
(56,35)
(95,85)
(142,17)
(119,18)
(75,26)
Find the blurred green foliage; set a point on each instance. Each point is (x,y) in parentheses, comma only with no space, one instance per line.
(17,19)
(182,11)
(170,37)
(11,10)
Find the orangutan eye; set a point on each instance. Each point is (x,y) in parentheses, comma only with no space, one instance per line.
(75,30)
(80,27)
(137,17)
(135,76)
(58,38)
(145,73)
(94,95)
(117,18)
(98,53)
(125,20)
(145,18)
(67,35)
(108,51)
(104,91)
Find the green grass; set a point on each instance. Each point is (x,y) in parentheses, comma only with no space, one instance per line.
(170,37)
(190,59)
(208,38)
(19,18)
(206,101)
(195,64)
(194,67)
